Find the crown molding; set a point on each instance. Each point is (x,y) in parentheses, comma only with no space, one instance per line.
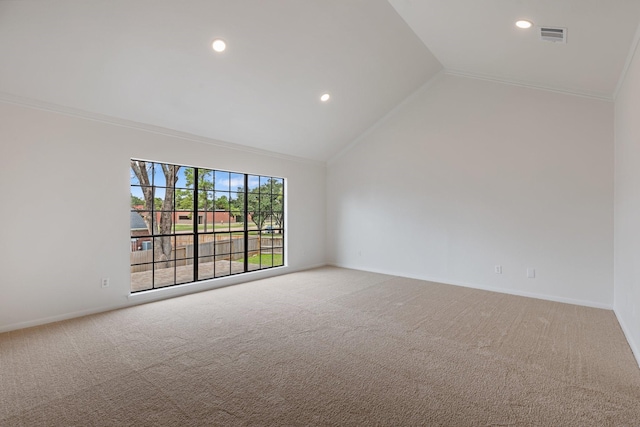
(583,94)
(450,72)
(116,121)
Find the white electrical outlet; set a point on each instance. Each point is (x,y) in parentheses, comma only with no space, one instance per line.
(531,273)
(497,269)
(104,282)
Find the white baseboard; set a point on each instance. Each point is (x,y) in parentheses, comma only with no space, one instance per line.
(56,318)
(627,333)
(160,294)
(486,288)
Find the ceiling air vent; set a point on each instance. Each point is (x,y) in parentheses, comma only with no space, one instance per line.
(555,35)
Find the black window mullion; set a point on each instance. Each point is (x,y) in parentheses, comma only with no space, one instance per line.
(246,222)
(196,240)
(173,240)
(153,226)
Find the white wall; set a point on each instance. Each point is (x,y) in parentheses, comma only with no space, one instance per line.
(65,199)
(627,206)
(469,174)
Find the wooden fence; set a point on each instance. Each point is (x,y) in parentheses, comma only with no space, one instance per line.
(229,249)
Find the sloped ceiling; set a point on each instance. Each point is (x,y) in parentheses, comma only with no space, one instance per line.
(150,61)
(479,38)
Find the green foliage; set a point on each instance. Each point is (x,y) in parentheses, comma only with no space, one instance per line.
(157,203)
(222,203)
(136,201)
(185,198)
(265,259)
(278,203)
(236,206)
(266,202)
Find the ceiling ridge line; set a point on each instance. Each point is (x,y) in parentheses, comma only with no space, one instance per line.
(528,85)
(131,124)
(633,50)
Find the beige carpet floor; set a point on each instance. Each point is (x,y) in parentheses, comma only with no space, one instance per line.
(326,347)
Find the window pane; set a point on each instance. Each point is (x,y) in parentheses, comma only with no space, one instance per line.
(164,223)
(266,242)
(223,246)
(265,203)
(206,247)
(209,224)
(253,263)
(138,200)
(133,177)
(185,178)
(145,169)
(183,247)
(266,259)
(222,200)
(237,243)
(164,274)
(205,268)
(254,182)
(206,200)
(141,277)
(253,202)
(222,181)
(266,252)
(277,218)
(184,200)
(184,222)
(164,248)
(184,273)
(254,244)
(159,195)
(265,185)
(221,221)
(236,182)
(143,254)
(138,225)
(278,258)
(222,268)
(205,179)
(236,211)
(158,175)
(253,208)
(185,225)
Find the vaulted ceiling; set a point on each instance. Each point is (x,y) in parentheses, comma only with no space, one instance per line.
(151,62)
(479,38)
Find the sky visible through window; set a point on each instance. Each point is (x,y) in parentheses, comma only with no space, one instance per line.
(224,181)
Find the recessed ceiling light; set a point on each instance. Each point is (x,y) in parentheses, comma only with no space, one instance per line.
(219,45)
(524,24)
(325,97)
